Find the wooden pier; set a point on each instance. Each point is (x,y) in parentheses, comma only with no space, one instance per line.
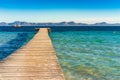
(35,61)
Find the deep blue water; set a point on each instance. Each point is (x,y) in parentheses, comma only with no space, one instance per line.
(61,28)
(84,28)
(11,41)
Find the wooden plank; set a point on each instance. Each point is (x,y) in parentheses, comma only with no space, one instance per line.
(35,61)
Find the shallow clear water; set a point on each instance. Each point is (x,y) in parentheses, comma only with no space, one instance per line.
(11,41)
(88,55)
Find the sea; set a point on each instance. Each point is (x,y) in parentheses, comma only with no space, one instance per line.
(84,53)
(12,39)
(88,53)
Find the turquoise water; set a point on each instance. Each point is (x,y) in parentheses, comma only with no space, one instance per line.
(88,55)
(11,41)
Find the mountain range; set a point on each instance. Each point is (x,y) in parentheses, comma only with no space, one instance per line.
(21,23)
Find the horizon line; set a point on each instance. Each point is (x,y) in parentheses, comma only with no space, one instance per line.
(60,22)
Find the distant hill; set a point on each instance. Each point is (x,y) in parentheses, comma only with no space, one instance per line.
(19,23)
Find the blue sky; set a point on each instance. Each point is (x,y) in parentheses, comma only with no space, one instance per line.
(87,11)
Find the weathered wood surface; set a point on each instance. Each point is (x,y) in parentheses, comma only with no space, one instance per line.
(35,61)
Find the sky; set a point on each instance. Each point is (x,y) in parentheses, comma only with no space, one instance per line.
(85,11)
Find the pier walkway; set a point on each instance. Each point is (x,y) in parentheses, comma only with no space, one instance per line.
(35,61)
